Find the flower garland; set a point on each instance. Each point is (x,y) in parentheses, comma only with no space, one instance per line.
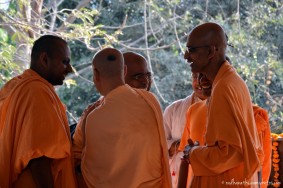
(275,158)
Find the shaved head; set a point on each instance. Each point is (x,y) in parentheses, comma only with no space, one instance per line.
(138,73)
(206,49)
(108,70)
(210,33)
(130,57)
(109,62)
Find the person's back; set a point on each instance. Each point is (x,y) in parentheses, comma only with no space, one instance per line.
(138,76)
(130,146)
(124,137)
(33,122)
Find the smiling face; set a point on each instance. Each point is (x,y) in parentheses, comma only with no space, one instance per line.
(196,54)
(58,61)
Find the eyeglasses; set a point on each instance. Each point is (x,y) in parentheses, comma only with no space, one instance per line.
(142,76)
(191,49)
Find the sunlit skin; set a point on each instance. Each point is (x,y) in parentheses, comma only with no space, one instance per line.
(206,46)
(138,74)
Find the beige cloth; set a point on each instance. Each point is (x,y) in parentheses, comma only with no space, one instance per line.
(174,123)
(125,143)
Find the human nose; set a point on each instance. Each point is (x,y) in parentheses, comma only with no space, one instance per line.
(69,68)
(187,56)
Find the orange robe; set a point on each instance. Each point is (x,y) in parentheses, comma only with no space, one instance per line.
(79,137)
(232,154)
(33,123)
(263,128)
(195,129)
(125,144)
(79,140)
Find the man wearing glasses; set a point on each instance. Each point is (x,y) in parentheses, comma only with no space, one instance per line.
(138,73)
(232,153)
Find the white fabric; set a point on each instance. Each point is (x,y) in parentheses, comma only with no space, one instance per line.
(174,124)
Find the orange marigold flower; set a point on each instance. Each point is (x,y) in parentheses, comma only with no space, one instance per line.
(275,144)
(276,175)
(275,155)
(274,148)
(276,169)
(275,160)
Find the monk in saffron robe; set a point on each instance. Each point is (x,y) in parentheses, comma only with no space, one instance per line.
(232,154)
(138,76)
(124,137)
(35,143)
(195,129)
(174,123)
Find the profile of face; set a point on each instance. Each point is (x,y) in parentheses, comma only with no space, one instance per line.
(196,53)
(205,84)
(138,75)
(58,63)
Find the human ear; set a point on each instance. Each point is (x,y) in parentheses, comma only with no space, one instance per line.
(96,74)
(212,51)
(43,59)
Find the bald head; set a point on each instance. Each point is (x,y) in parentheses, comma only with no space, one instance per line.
(210,34)
(109,62)
(206,48)
(130,57)
(138,74)
(108,70)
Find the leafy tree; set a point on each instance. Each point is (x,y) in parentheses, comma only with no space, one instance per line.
(157,29)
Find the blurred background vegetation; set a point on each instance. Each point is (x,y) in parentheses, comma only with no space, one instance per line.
(158,30)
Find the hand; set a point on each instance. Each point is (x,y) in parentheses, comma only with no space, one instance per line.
(188,148)
(174,148)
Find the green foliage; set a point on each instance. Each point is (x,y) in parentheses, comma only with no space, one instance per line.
(7,66)
(255,28)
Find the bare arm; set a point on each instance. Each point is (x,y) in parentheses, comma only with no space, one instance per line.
(41,172)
